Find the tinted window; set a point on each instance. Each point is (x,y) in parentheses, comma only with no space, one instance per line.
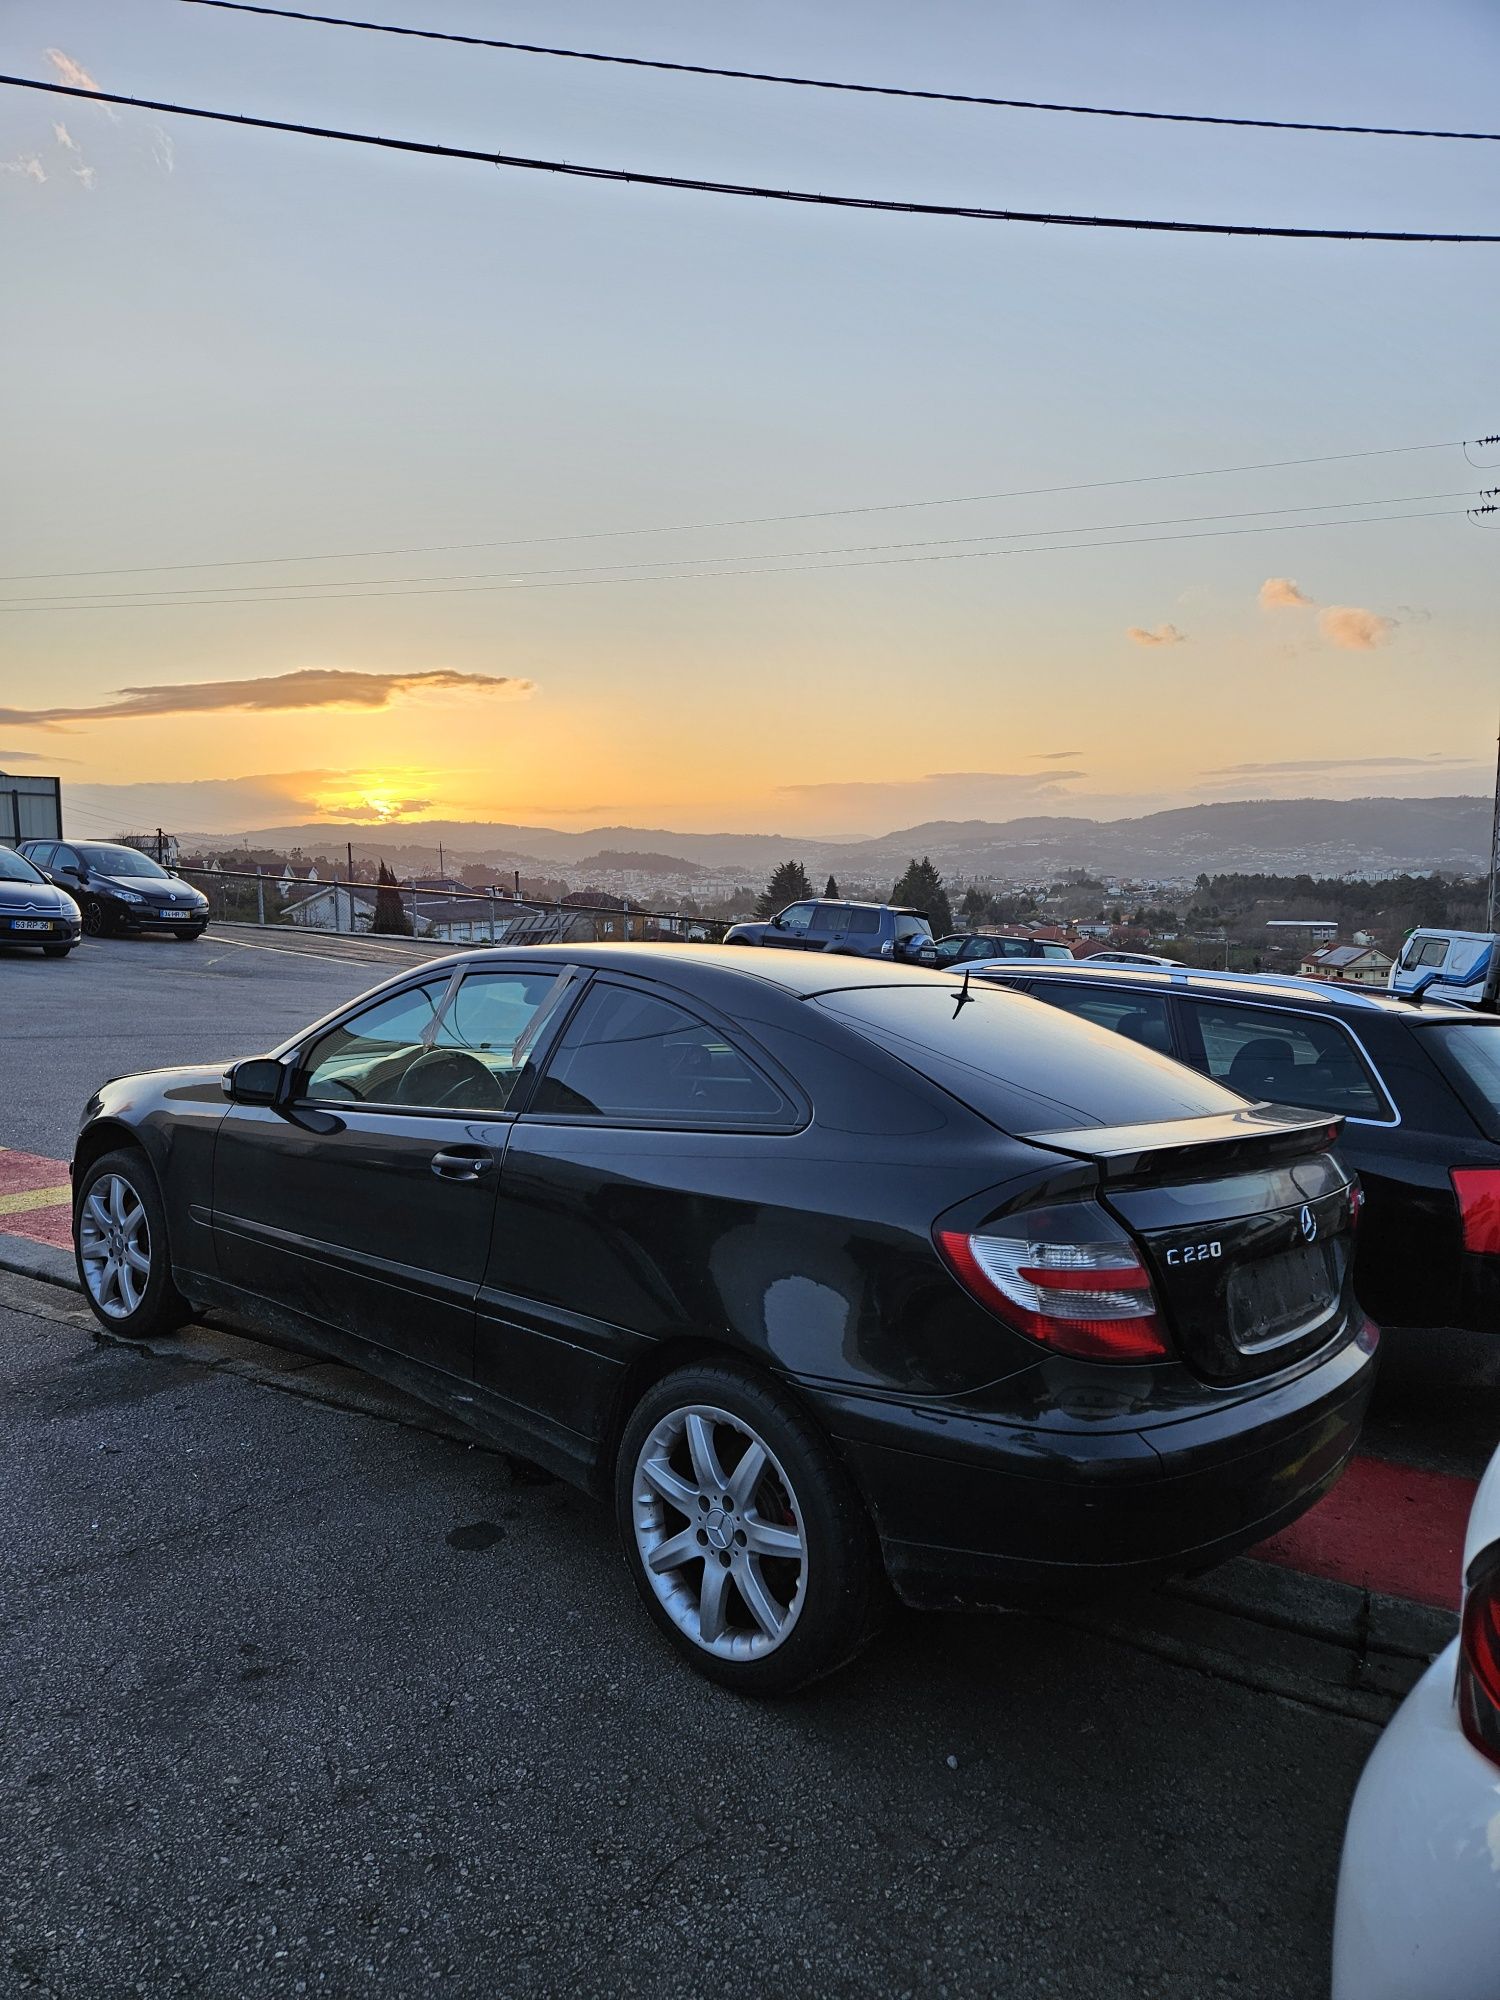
(1471,1055)
(15,867)
(489,1025)
(1139,1017)
(1287,1058)
(120,860)
(866,921)
(629,1055)
(1026,1067)
(910,927)
(830,917)
(65,857)
(365,1057)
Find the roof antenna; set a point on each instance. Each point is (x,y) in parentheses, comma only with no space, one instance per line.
(962,999)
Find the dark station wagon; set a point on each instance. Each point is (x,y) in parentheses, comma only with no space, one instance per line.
(1417,1087)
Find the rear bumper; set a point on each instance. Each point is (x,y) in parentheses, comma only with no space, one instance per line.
(972,1510)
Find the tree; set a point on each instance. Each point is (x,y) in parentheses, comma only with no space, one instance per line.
(389,917)
(975,905)
(832,893)
(921,888)
(788,884)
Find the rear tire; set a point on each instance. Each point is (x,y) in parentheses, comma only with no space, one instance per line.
(121,1247)
(748,1544)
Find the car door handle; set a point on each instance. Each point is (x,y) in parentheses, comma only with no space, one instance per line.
(462,1163)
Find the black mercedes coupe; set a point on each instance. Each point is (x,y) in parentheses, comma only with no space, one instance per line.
(839,1278)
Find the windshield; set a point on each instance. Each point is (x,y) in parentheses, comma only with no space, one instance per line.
(16,868)
(1023,1065)
(120,860)
(1470,1052)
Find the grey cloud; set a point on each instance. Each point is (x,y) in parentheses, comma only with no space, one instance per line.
(309,687)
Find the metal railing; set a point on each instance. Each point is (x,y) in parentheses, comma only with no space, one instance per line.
(447,916)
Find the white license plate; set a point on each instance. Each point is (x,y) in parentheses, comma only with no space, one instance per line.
(175,916)
(29,924)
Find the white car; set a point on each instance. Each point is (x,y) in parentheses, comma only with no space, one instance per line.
(1147,958)
(1418,1913)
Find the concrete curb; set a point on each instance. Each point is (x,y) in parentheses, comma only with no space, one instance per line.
(38,1260)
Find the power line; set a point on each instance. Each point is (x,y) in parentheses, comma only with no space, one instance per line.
(353,594)
(954,211)
(827,83)
(758,520)
(210,593)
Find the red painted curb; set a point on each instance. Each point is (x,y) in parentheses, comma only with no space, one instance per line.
(1384,1527)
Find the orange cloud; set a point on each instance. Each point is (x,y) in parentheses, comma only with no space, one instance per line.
(1355,630)
(1279,593)
(1164,635)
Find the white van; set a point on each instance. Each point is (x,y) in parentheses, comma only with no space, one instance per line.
(1449,965)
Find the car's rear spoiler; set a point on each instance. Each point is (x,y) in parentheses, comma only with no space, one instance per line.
(1256,1136)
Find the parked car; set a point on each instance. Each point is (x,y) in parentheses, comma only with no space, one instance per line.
(1449,965)
(120,889)
(964,947)
(859,930)
(826,1280)
(1418,1089)
(1129,958)
(1418,1908)
(33,910)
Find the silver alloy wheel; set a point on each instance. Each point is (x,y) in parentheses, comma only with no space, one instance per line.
(114,1245)
(719,1532)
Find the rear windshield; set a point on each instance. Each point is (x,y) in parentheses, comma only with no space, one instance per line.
(1024,1066)
(1470,1052)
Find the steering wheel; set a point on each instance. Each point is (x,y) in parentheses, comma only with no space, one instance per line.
(446,1078)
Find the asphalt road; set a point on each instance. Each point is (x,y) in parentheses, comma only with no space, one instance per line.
(122,1004)
(309,1699)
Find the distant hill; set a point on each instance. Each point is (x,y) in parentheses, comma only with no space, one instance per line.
(621,859)
(1274,836)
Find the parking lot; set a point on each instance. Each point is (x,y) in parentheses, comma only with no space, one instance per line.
(307,1693)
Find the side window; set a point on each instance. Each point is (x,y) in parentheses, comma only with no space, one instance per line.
(39,853)
(630,1056)
(481,1043)
(365,1058)
(1424,952)
(950,950)
(863,922)
(829,917)
(64,857)
(1139,1017)
(797,918)
(1288,1059)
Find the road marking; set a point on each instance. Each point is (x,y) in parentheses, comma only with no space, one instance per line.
(355,957)
(44,1197)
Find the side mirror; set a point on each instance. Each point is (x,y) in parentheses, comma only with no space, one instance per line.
(776,922)
(256,1080)
(47,876)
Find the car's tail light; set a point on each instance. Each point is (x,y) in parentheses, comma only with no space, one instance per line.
(1068,1276)
(1478,1191)
(1478,1689)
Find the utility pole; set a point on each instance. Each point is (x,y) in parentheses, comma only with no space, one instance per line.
(159,845)
(440,862)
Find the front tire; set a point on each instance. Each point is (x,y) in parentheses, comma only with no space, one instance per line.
(56,950)
(95,922)
(184,937)
(749,1546)
(121,1247)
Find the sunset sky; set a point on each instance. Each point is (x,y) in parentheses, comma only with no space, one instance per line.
(495,418)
